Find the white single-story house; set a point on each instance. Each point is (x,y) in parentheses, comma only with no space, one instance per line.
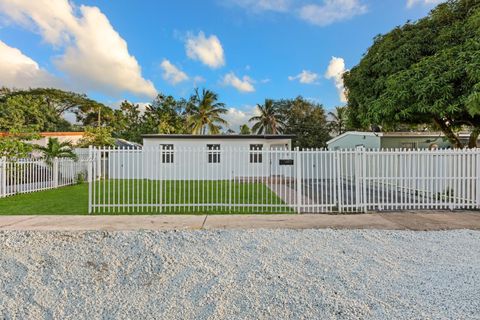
(392,140)
(177,156)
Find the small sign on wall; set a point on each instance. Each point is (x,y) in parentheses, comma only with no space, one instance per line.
(286,162)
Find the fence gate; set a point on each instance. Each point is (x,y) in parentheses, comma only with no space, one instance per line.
(223,180)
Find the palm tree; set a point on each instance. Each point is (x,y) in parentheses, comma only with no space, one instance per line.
(270,120)
(56,149)
(338,124)
(204,112)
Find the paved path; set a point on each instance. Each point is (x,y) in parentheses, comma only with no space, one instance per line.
(433,220)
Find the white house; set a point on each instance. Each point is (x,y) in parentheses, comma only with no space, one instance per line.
(177,156)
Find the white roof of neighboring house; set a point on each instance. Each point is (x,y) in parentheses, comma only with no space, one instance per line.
(354,133)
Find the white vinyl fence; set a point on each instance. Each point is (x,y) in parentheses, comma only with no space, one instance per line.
(32,174)
(243,181)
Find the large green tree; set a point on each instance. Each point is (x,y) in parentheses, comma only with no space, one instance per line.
(27,111)
(204,113)
(44,109)
(165,115)
(306,120)
(423,72)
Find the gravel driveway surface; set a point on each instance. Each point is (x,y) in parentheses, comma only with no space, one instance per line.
(261,274)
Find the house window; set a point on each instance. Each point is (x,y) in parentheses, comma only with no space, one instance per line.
(167,153)
(213,153)
(409,145)
(256,157)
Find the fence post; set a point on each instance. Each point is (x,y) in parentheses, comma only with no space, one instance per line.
(299,179)
(55,174)
(364,179)
(3,177)
(478,177)
(90,178)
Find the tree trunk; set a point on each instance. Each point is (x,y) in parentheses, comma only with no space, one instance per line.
(451,136)
(472,141)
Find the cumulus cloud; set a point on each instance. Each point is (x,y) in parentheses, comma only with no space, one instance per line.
(95,56)
(20,71)
(243,85)
(237,117)
(263,5)
(306,77)
(411,3)
(171,73)
(318,12)
(335,71)
(207,50)
(331,11)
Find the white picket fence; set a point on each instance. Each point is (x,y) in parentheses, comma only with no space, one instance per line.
(33,174)
(242,181)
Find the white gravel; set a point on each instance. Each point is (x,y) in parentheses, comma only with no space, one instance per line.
(261,274)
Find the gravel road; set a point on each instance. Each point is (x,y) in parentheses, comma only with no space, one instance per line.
(261,274)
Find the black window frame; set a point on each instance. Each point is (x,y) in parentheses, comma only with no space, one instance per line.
(167,153)
(213,154)
(256,157)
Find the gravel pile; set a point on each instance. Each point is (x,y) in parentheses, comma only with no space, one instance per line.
(261,274)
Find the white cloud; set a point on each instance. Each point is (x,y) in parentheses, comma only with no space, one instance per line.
(263,5)
(306,77)
(207,50)
(197,80)
(20,71)
(318,12)
(335,71)
(411,3)
(237,117)
(243,85)
(95,56)
(171,73)
(331,11)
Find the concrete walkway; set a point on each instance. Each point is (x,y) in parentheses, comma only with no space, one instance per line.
(433,220)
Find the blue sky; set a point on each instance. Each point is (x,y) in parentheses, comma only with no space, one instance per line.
(246,50)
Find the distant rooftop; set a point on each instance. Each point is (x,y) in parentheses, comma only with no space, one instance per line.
(51,134)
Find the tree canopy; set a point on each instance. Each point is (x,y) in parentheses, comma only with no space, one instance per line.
(204,113)
(270,120)
(306,120)
(425,72)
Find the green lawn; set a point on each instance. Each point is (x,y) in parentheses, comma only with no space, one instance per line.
(192,197)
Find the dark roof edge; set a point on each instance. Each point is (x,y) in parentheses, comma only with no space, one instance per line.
(221,136)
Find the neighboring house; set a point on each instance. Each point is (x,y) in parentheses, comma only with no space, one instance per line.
(392,140)
(72,137)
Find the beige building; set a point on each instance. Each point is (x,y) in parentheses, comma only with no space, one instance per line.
(72,137)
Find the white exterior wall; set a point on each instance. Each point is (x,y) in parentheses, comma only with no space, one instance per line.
(191,160)
(224,143)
